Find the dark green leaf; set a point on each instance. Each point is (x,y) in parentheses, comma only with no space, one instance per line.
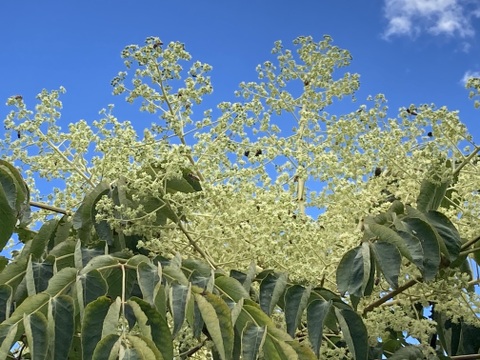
(431,195)
(179,296)
(253,337)
(61,281)
(7,219)
(389,260)
(216,315)
(160,332)
(92,324)
(272,288)
(94,286)
(354,332)
(63,315)
(407,353)
(105,347)
(37,335)
(317,312)
(423,231)
(5,301)
(354,271)
(148,278)
(296,298)
(447,231)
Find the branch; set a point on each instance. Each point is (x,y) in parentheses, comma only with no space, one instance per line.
(467,160)
(391,294)
(470,242)
(48,207)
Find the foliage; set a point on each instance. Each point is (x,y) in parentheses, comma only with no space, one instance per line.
(386,261)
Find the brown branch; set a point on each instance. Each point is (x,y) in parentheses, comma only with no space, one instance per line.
(48,207)
(465,357)
(391,294)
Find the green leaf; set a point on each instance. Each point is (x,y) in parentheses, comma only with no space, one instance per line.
(447,231)
(30,305)
(386,234)
(9,334)
(148,278)
(216,315)
(431,249)
(92,325)
(317,312)
(231,288)
(431,195)
(94,286)
(354,332)
(159,330)
(145,349)
(61,281)
(253,337)
(63,254)
(353,272)
(105,347)
(20,186)
(110,324)
(179,296)
(98,262)
(414,247)
(7,219)
(296,299)
(389,260)
(84,217)
(5,301)
(61,232)
(36,332)
(272,288)
(42,238)
(63,315)
(8,184)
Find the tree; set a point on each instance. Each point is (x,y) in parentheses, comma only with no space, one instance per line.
(340,236)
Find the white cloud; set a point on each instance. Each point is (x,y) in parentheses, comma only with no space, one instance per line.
(469,74)
(437,17)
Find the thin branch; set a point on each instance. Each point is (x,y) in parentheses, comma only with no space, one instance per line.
(48,207)
(467,160)
(391,294)
(469,243)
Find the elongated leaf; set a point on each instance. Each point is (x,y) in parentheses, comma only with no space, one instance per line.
(61,232)
(431,195)
(431,249)
(351,272)
(386,234)
(296,298)
(110,324)
(354,332)
(148,278)
(63,254)
(389,260)
(8,335)
(30,305)
(92,325)
(415,248)
(145,349)
(447,231)
(61,281)
(317,312)
(231,288)
(5,301)
(94,286)
(216,315)
(7,219)
(179,296)
(253,337)
(83,218)
(105,347)
(42,238)
(8,184)
(272,288)
(36,331)
(159,330)
(63,312)
(103,261)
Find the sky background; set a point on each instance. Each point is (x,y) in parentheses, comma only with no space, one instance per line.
(413,51)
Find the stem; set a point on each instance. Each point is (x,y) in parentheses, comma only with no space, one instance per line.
(391,294)
(467,160)
(469,243)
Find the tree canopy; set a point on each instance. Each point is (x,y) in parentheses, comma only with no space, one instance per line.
(265,228)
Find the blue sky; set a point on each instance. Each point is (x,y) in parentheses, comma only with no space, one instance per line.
(413,51)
